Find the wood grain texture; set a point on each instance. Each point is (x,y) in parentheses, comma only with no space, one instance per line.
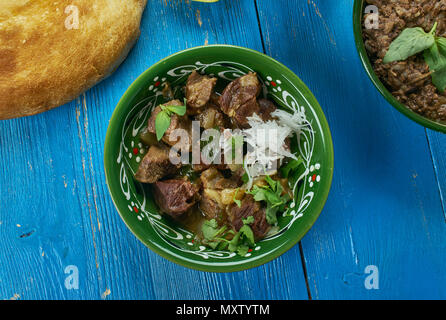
(52,184)
(384,208)
(437,141)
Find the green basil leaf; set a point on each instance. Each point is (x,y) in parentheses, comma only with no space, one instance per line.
(437,65)
(410,42)
(179,110)
(162,123)
(441,42)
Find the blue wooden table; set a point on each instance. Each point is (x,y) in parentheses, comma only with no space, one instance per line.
(382,233)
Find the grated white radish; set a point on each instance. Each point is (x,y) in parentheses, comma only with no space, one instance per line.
(266,141)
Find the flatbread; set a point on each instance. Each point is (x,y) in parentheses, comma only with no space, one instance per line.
(53,50)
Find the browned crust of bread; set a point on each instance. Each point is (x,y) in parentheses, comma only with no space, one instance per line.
(44,65)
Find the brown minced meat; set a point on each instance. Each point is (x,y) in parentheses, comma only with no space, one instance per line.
(409,81)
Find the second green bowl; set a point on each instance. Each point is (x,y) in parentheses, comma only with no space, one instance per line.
(358,13)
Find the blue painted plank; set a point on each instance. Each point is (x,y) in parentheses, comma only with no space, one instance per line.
(437,143)
(384,208)
(42,229)
(52,184)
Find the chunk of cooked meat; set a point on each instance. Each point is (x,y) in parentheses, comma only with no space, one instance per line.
(245,111)
(212,207)
(228,196)
(239,99)
(215,100)
(262,107)
(266,108)
(176,122)
(214,179)
(156,165)
(199,89)
(239,92)
(249,207)
(167,91)
(175,197)
(200,167)
(237,172)
(204,163)
(212,117)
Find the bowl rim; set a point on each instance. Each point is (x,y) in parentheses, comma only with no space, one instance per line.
(357,30)
(134,89)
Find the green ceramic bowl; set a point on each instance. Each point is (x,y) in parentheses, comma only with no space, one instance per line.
(123,153)
(358,12)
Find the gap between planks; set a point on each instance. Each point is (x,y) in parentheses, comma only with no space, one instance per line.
(301,251)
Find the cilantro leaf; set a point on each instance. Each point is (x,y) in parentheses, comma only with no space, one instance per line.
(233,244)
(410,42)
(242,241)
(236,201)
(249,220)
(273,196)
(217,238)
(271,214)
(247,233)
(211,230)
(272,183)
(242,250)
(258,193)
(291,166)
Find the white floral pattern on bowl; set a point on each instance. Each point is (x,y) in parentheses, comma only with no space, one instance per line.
(131,152)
